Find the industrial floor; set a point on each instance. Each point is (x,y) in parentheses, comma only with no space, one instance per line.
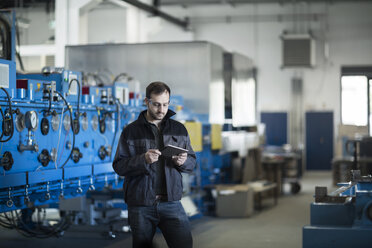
(274,226)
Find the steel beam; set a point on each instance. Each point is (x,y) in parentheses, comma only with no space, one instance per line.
(156,12)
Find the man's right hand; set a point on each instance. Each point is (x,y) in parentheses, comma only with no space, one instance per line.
(152,156)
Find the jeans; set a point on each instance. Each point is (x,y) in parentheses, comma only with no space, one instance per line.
(171,219)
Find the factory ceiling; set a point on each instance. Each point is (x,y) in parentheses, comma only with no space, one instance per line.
(238,2)
(154,6)
(49,4)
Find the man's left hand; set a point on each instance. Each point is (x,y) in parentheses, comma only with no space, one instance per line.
(180,159)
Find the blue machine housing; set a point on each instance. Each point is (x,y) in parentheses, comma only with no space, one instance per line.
(211,162)
(342,218)
(61,81)
(213,165)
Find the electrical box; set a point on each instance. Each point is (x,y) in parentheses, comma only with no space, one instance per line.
(7,74)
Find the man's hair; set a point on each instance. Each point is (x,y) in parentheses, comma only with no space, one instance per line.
(156,88)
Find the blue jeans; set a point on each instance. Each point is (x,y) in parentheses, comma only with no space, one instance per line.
(171,219)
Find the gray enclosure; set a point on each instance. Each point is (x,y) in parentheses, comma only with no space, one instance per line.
(192,69)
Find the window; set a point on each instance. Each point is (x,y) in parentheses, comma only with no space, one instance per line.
(244,103)
(356,96)
(354,100)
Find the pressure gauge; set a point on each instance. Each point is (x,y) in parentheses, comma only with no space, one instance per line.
(94,122)
(20,122)
(66,123)
(55,122)
(84,123)
(31,120)
(44,126)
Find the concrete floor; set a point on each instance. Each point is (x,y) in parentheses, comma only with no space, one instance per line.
(275,226)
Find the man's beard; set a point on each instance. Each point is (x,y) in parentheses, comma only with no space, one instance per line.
(155,116)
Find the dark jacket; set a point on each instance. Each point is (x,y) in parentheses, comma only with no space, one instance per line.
(139,181)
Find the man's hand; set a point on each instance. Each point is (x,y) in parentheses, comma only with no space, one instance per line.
(180,159)
(152,156)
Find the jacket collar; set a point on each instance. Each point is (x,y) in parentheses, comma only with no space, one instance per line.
(168,115)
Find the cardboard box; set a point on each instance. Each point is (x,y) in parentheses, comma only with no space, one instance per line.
(234,200)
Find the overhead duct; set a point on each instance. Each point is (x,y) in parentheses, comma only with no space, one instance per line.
(298,50)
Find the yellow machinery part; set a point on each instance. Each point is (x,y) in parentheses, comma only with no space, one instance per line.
(216,136)
(195,133)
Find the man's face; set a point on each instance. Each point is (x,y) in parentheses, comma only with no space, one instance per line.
(157,105)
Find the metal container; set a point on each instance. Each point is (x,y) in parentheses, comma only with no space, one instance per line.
(192,69)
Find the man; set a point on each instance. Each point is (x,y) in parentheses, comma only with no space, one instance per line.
(153,183)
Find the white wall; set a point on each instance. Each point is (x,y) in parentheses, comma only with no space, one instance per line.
(38,31)
(254,30)
(106,25)
(155,29)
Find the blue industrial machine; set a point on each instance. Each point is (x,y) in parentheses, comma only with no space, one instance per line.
(54,145)
(207,142)
(342,218)
(57,139)
(212,165)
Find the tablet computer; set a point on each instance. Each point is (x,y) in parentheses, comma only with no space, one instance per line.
(169,151)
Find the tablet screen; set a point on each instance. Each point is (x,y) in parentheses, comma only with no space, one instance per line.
(169,151)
